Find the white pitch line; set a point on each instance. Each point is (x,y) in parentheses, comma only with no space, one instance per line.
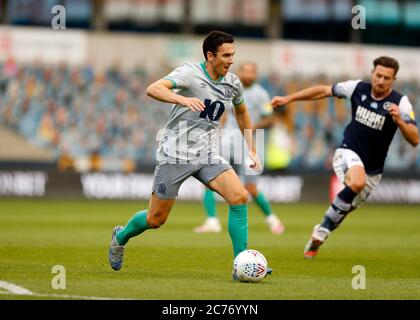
(14,289)
(17,290)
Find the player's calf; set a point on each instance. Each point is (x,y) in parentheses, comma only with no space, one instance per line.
(340,207)
(158,211)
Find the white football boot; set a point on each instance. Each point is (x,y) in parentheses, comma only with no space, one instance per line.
(319,235)
(274,223)
(116,251)
(211,224)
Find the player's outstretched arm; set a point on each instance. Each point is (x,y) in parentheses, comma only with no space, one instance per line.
(223,119)
(245,125)
(410,133)
(408,130)
(161,90)
(311,93)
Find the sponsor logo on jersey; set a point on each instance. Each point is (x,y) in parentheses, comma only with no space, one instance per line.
(203,85)
(369,118)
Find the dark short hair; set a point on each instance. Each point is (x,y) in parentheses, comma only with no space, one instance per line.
(387,62)
(215,39)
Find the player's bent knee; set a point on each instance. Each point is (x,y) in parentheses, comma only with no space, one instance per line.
(358,185)
(239,197)
(155,221)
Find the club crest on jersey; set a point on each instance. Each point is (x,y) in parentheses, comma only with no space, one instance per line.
(374,105)
(229,91)
(364,97)
(162,188)
(387,105)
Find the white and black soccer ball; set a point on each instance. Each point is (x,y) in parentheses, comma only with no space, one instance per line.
(249,266)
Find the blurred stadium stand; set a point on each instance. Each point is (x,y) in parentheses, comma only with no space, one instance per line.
(393,22)
(75,99)
(15,147)
(79,112)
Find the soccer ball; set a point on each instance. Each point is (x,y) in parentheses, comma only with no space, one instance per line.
(249,266)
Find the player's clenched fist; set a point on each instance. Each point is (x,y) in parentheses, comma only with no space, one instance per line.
(255,162)
(278,101)
(394,111)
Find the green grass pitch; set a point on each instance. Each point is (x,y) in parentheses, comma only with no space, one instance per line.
(175,263)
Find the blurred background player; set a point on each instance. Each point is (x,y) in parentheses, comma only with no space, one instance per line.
(206,90)
(377,112)
(260,110)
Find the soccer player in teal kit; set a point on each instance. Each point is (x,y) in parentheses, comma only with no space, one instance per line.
(187,144)
(260,110)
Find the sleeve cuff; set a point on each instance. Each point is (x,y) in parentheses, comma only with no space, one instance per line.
(333,91)
(412,122)
(173,82)
(238,104)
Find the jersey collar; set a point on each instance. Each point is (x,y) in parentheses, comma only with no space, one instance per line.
(376,99)
(203,66)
